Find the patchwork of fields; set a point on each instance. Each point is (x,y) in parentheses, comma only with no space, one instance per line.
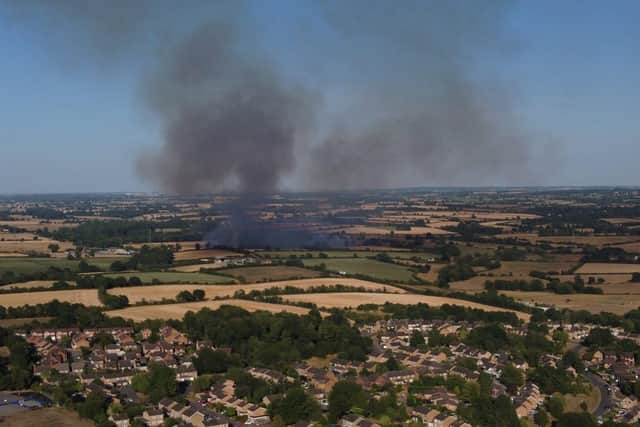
(137,294)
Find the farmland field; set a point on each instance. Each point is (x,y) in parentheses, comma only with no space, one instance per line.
(354,299)
(137,294)
(81,296)
(618,304)
(368,267)
(345,254)
(204,253)
(270,273)
(608,268)
(31,284)
(175,277)
(177,311)
(35,265)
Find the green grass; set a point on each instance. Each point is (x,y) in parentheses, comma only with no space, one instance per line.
(270,273)
(35,265)
(105,263)
(368,267)
(176,277)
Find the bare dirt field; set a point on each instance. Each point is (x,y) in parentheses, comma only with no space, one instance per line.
(138,294)
(46,417)
(618,304)
(204,253)
(354,299)
(87,297)
(177,311)
(608,268)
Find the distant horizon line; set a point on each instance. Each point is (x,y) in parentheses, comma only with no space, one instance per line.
(273,193)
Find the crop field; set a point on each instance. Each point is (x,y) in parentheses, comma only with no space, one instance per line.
(204,253)
(369,267)
(612,303)
(80,296)
(175,277)
(432,275)
(177,311)
(354,299)
(270,273)
(36,224)
(138,294)
(30,285)
(34,265)
(608,268)
(599,241)
(523,268)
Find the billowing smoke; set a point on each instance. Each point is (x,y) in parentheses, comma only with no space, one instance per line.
(410,91)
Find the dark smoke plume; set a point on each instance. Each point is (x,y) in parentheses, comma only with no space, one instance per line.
(411,91)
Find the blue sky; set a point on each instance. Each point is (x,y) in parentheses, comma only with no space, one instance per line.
(575,74)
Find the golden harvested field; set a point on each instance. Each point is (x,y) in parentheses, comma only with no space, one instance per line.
(40,245)
(270,273)
(572,240)
(46,417)
(82,296)
(432,275)
(618,304)
(137,294)
(354,299)
(629,247)
(204,253)
(36,224)
(30,285)
(177,311)
(608,268)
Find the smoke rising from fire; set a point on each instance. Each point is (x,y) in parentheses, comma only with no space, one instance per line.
(392,94)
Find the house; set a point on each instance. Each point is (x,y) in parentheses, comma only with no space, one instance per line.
(401,377)
(153,417)
(120,420)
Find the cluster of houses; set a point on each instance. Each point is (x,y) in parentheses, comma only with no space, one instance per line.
(127,352)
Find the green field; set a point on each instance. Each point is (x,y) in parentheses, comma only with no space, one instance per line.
(35,265)
(344,254)
(270,273)
(368,267)
(176,277)
(105,263)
